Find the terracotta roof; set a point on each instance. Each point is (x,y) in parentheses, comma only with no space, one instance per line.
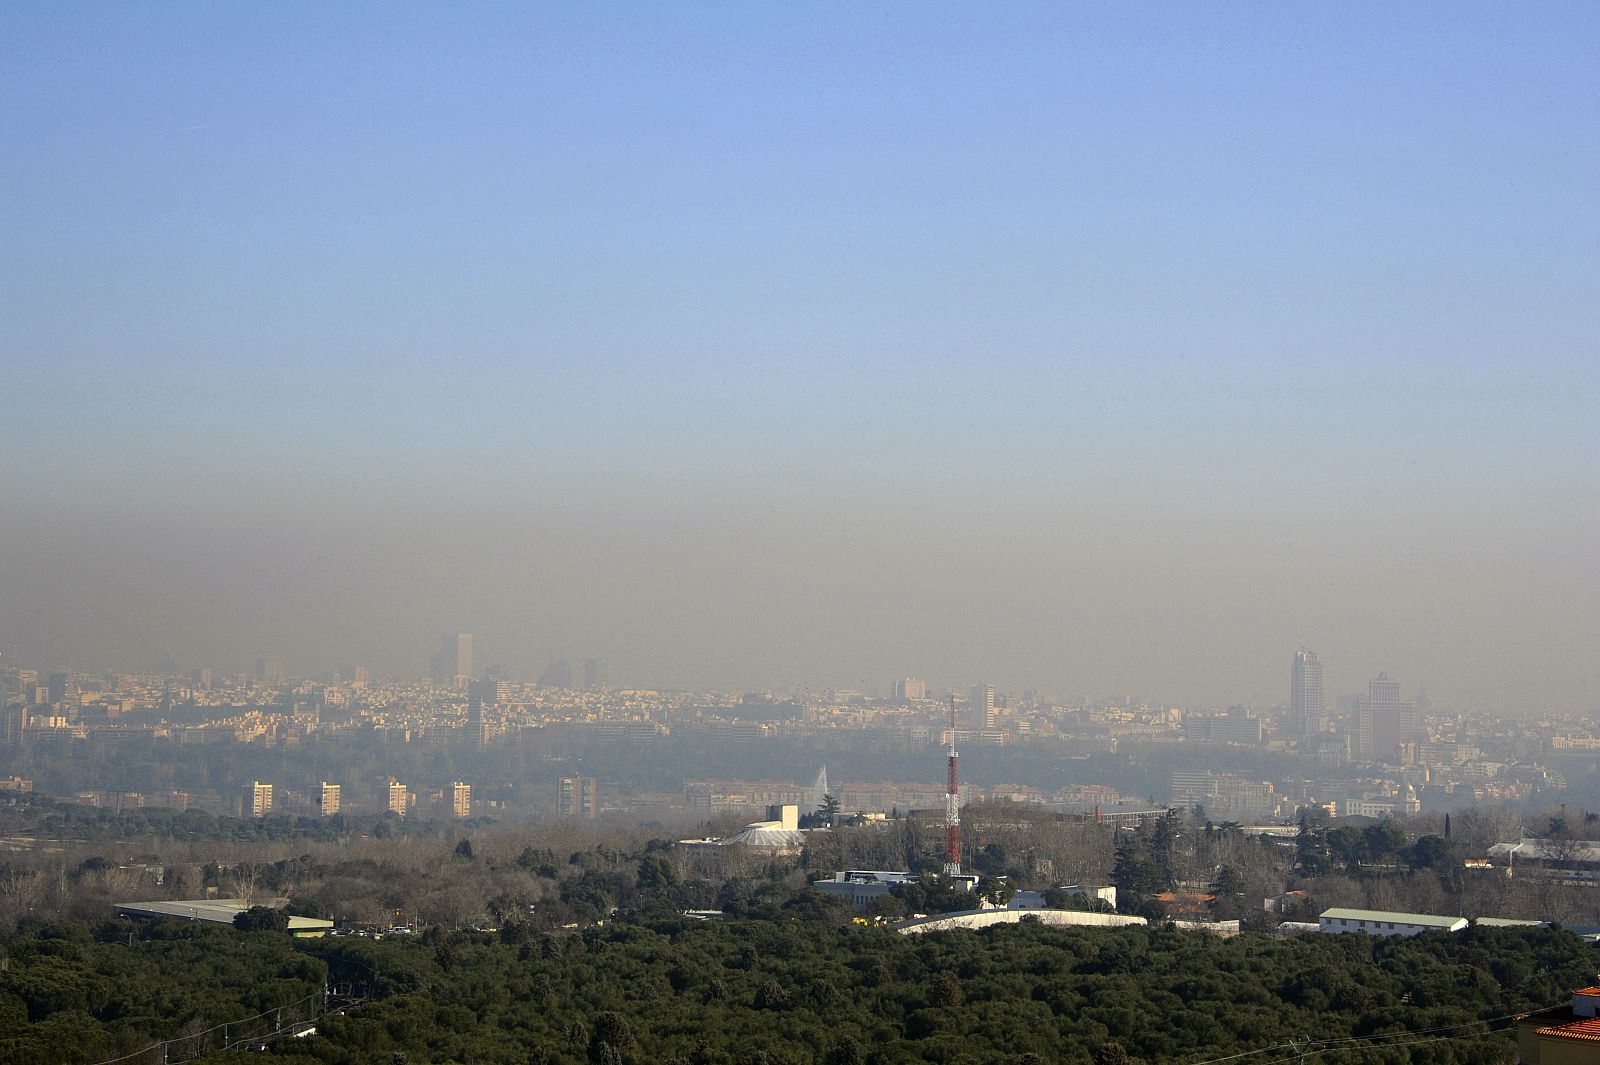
(1588,992)
(1587,1029)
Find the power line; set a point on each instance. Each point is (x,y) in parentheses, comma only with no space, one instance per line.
(277,1012)
(1318,1045)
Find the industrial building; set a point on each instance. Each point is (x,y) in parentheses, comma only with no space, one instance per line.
(1386,923)
(861,886)
(221,911)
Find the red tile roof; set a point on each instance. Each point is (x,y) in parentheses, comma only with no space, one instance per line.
(1588,992)
(1587,1029)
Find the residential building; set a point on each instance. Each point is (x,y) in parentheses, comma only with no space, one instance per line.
(1565,1035)
(399,798)
(1225,797)
(461,799)
(257,799)
(330,799)
(577,797)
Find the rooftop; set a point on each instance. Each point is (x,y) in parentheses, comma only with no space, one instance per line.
(1587,1029)
(217,911)
(1429,920)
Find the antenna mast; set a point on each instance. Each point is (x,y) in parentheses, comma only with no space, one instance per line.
(952,807)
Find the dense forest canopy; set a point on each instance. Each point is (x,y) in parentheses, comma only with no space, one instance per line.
(798,984)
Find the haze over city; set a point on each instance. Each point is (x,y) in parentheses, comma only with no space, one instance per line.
(1095,351)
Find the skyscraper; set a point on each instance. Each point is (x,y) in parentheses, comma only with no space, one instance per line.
(452,666)
(13,722)
(62,688)
(1383,719)
(910,689)
(981,706)
(270,670)
(1305,695)
(399,798)
(559,675)
(595,674)
(488,692)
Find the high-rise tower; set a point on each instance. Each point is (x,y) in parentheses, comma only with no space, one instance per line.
(452,666)
(1381,725)
(981,701)
(1305,695)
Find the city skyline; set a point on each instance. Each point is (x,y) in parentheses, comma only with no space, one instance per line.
(1305,704)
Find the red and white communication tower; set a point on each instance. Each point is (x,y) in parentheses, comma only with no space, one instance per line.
(952,807)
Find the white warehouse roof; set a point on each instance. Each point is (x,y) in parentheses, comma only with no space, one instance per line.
(1422,920)
(218,911)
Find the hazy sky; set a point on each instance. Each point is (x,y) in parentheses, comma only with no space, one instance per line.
(1097,348)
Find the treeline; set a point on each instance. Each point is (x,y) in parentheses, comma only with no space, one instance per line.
(800,985)
(461,874)
(71,992)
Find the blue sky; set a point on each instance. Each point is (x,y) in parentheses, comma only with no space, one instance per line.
(1236,267)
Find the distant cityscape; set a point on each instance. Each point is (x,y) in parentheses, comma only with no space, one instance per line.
(461,742)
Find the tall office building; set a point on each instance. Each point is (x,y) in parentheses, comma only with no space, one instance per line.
(257,799)
(479,730)
(595,674)
(980,705)
(461,799)
(559,675)
(488,692)
(330,800)
(578,797)
(452,666)
(910,689)
(270,670)
(1383,719)
(1306,708)
(13,721)
(481,693)
(62,688)
(399,798)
